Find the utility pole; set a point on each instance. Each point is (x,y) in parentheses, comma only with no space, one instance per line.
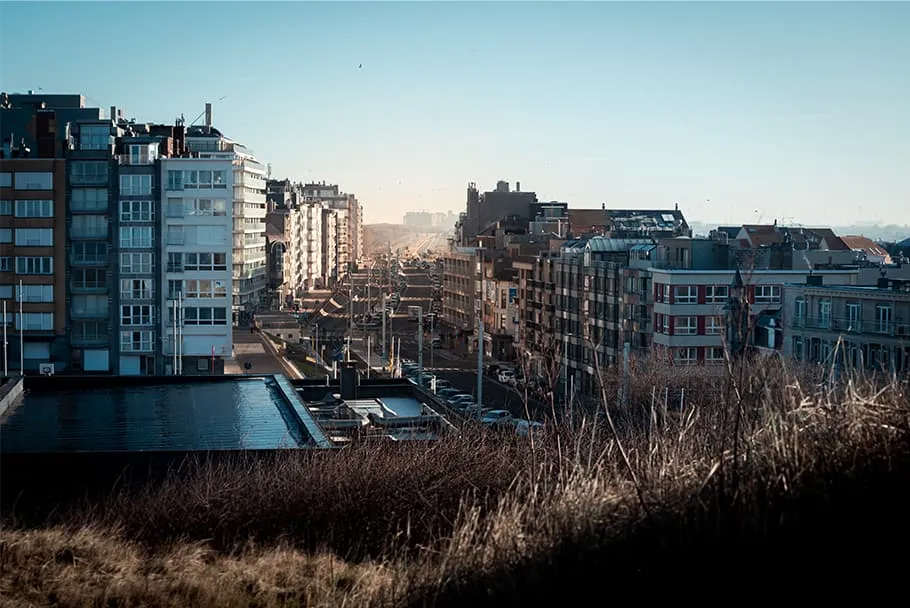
(384,359)
(565,368)
(479,308)
(420,346)
(432,319)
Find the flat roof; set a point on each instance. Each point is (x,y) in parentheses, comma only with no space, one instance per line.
(66,415)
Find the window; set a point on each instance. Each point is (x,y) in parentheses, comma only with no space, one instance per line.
(94,137)
(89,278)
(34,180)
(175,180)
(89,305)
(89,227)
(205,261)
(35,237)
(135,289)
(88,172)
(175,207)
(137,341)
(6,292)
(714,354)
(6,180)
(685,326)
(660,323)
(685,294)
(89,199)
(136,263)
(824,313)
(6,263)
(34,265)
(89,331)
(205,206)
(716,294)
(135,185)
(767,294)
(6,207)
(713,326)
(35,293)
(35,321)
(799,311)
(884,316)
(853,316)
(6,235)
(174,262)
(143,154)
(174,289)
(686,355)
(89,253)
(134,237)
(136,211)
(35,208)
(798,348)
(204,316)
(136,315)
(176,235)
(205,288)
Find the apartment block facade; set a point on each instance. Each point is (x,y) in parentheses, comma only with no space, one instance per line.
(198,245)
(858,327)
(249,260)
(33,260)
(119,215)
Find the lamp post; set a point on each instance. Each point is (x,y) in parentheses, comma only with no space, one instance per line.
(479,310)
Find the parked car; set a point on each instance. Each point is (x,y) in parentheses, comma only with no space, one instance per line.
(496,417)
(506,376)
(447,393)
(525,428)
(460,398)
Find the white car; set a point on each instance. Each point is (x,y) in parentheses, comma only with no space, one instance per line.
(506,376)
(461,399)
(496,417)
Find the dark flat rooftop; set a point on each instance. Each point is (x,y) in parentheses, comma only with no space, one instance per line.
(251,413)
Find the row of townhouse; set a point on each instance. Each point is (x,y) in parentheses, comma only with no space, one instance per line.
(581,301)
(315,235)
(137,246)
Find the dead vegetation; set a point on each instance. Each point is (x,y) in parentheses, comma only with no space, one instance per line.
(776,478)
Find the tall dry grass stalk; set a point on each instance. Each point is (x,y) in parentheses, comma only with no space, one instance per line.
(762,469)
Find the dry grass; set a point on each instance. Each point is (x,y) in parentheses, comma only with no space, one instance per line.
(775,478)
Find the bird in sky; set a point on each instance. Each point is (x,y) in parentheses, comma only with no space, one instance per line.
(359,66)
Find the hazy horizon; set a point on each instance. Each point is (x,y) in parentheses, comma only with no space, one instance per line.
(739,112)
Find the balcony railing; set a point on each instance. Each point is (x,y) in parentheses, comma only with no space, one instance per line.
(137,295)
(87,288)
(97,339)
(855,326)
(90,314)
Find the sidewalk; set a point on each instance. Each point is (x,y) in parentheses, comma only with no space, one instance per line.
(262,355)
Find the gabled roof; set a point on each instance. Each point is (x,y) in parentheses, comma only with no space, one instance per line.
(865,244)
(831,240)
(760,235)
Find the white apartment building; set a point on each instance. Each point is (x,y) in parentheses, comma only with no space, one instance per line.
(197,246)
(249,261)
(303,232)
(329,248)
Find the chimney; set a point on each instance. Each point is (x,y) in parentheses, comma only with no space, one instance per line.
(208,116)
(113,115)
(883,283)
(517,186)
(349,380)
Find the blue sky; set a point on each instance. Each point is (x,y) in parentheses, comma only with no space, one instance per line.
(795,111)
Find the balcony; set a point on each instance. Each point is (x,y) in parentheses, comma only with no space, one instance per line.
(133,294)
(90,339)
(87,288)
(852,326)
(90,313)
